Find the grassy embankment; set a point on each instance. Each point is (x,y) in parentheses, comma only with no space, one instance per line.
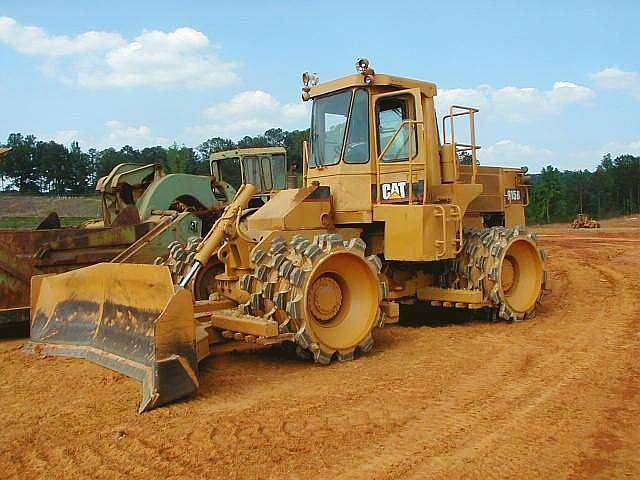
(25,211)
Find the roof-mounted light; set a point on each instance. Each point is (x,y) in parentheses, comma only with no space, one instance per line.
(308,80)
(362,66)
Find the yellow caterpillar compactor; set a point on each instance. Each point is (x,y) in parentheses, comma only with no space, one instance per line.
(388,214)
(583,220)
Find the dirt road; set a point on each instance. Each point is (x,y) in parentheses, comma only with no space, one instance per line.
(554,397)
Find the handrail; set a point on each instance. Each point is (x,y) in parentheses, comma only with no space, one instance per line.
(443,242)
(460,234)
(305,162)
(409,162)
(466,147)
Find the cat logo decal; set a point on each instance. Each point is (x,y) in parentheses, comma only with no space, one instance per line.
(394,190)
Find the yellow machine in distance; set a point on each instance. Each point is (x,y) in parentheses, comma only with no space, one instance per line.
(387,214)
(583,220)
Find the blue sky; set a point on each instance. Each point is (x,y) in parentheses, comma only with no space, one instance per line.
(556,82)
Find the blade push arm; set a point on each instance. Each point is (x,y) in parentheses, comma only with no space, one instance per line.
(216,235)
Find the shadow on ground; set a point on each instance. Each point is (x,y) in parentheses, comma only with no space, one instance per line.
(424,315)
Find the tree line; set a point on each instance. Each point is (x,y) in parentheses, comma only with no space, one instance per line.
(612,189)
(36,166)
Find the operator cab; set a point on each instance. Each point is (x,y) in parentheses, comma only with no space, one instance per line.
(375,140)
(266,168)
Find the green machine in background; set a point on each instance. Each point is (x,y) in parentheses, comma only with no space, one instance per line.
(144,210)
(265,168)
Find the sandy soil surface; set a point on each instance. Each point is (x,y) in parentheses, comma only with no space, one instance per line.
(554,397)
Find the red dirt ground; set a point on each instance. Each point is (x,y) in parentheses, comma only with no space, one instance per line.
(554,397)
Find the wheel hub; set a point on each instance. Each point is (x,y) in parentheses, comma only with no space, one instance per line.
(508,274)
(325,298)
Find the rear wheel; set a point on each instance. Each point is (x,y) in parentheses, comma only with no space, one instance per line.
(508,266)
(324,291)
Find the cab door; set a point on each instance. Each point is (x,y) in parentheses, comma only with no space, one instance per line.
(399,147)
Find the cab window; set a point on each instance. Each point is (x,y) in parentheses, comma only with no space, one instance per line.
(252,172)
(391,112)
(357,150)
(214,170)
(266,172)
(328,125)
(228,170)
(279,171)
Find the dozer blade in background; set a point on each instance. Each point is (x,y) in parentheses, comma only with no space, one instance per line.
(126,317)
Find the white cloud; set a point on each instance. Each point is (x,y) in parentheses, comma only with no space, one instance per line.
(65,137)
(103,59)
(621,148)
(115,134)
(473,97)
(119,134)
(590,158)
(516,104)
(35,41)
(617,79)
(510,153)
(184,56)
(249,113)
(564,93)
(244,104)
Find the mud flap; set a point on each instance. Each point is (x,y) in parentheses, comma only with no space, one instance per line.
(126,317)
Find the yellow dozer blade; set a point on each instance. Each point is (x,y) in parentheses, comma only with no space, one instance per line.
(127,317)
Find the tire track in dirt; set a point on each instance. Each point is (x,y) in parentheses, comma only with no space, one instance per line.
(521,418)
(462,422)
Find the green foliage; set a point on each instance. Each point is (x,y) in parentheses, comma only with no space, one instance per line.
(213,145)
(48,167)
(466,158)
(612,189)
(180,159)
(35,166)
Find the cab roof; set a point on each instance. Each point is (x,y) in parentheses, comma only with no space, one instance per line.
(379,79)
(242,152)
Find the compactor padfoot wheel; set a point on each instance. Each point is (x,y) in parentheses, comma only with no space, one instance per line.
(325,292)
(179,260)
(508,266)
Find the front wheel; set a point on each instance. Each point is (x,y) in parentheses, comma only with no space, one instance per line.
(324,291)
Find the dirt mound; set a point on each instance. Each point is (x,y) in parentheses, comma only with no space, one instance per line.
(554,397)
(40,206)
